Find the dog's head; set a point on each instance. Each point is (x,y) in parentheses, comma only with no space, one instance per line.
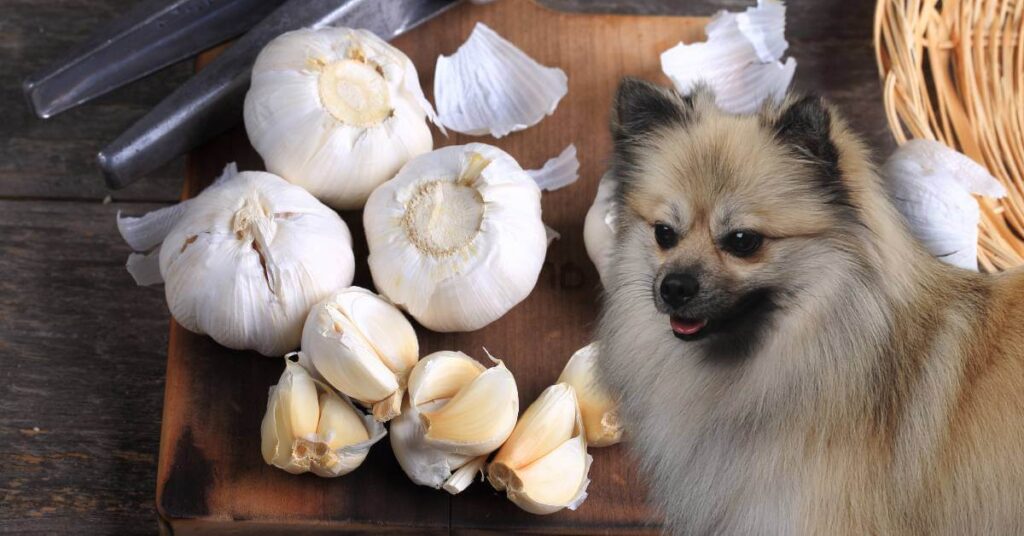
(726,217)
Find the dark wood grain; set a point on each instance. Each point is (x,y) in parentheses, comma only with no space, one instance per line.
(83,349)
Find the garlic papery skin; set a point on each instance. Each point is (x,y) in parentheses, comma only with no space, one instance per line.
(932,186)
(599,410)
(337,111)
(544,465)
(599,227)
(456,238)
(456,414)
(248,258)
(310,428)
(490,86)
(740,61)
(363,346)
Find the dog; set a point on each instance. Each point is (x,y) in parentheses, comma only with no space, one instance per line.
(788,358)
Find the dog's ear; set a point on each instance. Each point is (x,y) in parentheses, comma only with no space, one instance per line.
(641,107)
(805,124)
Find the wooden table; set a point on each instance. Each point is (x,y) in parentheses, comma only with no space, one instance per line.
(85,350)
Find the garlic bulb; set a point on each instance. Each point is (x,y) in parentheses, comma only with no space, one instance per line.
(543,466)
(336,111)
(490,86)
(308,427)
(245,259)
(457,413)
(599,227)
(456,238)
(363,346)
(600,412)
(740,59)
(931,185)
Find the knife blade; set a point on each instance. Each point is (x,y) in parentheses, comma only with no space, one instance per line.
(211,101)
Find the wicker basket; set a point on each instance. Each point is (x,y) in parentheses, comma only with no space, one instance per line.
(953,71)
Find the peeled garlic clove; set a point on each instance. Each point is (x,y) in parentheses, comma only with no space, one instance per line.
(245,259)
(363,346)
(309,428)
(337,111)
(457,413)
(739,60)
(600,412)
(490,86)
(543,466)
(931,185)
(599,227)
(456,238)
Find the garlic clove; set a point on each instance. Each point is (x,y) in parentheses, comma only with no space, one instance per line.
(543,466)
(479,418)
(435,250)
(600,412)
(490,86)
(599,227)
(309,428)
(465,412)
(337,111)
(363,346)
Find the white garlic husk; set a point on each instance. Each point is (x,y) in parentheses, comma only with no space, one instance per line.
(740,61)
(599,410)
(490,86)
(337,111)
(599,227)
(456,414)
(310,428)
(456,238)
(932,186)
(245,259)
(544,465)
(363,346)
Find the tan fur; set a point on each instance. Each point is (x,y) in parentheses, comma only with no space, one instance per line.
(887,397)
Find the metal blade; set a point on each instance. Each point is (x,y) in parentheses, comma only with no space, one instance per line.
(211,101)
(153,35)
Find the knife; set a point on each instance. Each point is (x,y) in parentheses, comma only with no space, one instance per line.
(211,101)
(151,36)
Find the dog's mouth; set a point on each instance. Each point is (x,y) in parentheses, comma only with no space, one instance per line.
(688,329)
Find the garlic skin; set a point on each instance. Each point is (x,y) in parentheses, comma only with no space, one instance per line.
(544,465)
(362,346)
(337,111)
(490,86)
(456,238)
(247,259)
(932,186)
(599,226)
(599,410)
(309,428)
(457,413)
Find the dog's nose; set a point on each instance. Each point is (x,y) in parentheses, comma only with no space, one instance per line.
(677,289)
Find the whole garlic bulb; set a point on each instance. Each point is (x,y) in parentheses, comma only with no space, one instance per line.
(308,427)
(599,410)
(456,238)
(599,227)
(336,111)
(543,466)
(363,346)
(458,412)
(247,259)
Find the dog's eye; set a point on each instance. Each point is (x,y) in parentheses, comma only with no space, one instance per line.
(665,235)
(742,243)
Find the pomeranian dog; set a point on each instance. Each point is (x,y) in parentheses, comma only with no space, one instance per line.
(789,359)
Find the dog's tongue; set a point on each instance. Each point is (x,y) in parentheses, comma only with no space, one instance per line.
(684,326)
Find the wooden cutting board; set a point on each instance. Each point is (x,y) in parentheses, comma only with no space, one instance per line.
(212,477)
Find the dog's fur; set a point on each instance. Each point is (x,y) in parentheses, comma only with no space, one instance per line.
(849,382)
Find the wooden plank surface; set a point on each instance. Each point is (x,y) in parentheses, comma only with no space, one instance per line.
(84,350)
